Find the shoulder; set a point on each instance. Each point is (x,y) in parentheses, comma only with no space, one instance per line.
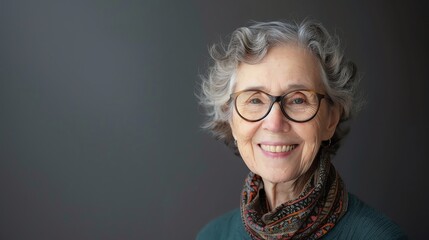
(364,222)
(227,226)
(360,222)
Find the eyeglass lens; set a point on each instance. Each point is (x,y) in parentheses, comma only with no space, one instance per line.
(298,105)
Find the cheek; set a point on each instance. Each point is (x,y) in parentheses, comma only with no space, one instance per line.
(311,134)
(244,132)
(328,122)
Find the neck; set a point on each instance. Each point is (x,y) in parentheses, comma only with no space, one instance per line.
(279,193)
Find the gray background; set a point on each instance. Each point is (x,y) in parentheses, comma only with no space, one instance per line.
(99,126)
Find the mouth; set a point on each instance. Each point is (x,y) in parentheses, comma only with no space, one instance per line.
(278,148)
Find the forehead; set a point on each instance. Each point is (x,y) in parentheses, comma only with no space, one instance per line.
(284,68)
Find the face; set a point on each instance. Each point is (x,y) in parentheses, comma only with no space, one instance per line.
(276,148)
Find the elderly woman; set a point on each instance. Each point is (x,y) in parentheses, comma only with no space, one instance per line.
(279,93)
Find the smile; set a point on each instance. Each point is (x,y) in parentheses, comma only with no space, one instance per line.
(278,148)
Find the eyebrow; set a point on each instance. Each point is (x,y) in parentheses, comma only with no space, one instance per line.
(290,87)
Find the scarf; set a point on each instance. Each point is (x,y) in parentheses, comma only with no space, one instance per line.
(320,205)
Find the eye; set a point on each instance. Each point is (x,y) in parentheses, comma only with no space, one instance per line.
(255,101)
(298,101)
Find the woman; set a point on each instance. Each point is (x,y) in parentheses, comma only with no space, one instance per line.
(279,93)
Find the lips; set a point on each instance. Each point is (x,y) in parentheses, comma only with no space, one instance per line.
(278,148)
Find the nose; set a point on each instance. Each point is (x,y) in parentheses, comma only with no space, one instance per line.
(275,121)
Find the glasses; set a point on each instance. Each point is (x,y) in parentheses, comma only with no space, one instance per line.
(298,106)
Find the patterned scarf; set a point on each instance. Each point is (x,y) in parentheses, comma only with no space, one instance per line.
(320,205)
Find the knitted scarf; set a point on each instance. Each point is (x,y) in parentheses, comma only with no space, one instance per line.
(320,205)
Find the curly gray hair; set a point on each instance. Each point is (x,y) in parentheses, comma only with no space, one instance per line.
(250,45)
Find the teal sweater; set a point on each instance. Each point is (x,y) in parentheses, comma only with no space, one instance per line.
(359,222)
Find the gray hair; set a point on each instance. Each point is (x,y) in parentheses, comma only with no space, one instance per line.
(250,45)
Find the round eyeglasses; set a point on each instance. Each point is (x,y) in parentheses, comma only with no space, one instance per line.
(298,106)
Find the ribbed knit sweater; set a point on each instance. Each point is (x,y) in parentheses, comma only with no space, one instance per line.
(360,222)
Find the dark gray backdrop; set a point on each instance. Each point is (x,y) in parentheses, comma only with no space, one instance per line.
(99,126)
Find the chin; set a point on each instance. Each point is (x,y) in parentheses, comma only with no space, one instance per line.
(277,176)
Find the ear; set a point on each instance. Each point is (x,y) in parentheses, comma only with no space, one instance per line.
(333,118)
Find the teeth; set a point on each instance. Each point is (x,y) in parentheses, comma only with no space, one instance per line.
(277,149)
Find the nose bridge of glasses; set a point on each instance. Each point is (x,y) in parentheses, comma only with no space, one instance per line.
(281,106)
(277,99)
(276,119)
